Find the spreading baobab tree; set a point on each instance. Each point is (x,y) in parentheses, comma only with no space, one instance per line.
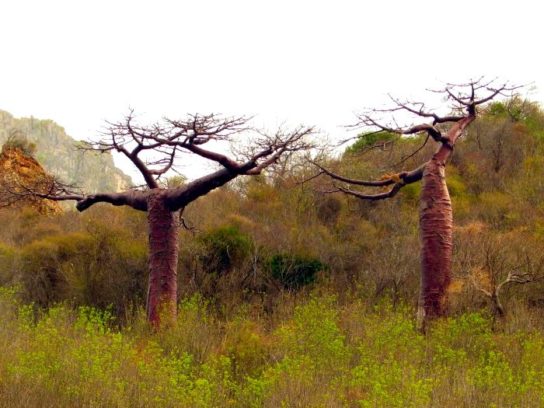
(435,210)
(154,150)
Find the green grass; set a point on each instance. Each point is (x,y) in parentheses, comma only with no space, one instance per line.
(315,352)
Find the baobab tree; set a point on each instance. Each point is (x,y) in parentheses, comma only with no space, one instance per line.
(154,151)
(435,211)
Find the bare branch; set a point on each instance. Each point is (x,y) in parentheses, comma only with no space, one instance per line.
(464,101)
(271,148)
(16,189)
(183,223)
(404,159)
(464,97)
(373,197)
(132,198)
(397,180)
(479,287)
(161,141)
(419,112)
(367,183)
(217,157)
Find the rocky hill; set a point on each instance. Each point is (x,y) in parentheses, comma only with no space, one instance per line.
(57,152)
(18,172)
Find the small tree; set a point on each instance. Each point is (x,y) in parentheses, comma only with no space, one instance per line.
(492,261)
(154,150)
(436,220)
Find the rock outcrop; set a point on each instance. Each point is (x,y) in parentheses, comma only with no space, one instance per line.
(59,155)
(21,174)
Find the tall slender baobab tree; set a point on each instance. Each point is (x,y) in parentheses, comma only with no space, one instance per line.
(154,151)
(435,212)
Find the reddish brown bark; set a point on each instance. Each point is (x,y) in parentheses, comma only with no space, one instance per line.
(436,229)
(436,218)
(154,150)
(163,260)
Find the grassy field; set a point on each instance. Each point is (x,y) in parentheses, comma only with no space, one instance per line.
(313,351)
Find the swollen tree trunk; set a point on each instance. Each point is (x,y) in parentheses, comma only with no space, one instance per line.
(436,228)
(163,261)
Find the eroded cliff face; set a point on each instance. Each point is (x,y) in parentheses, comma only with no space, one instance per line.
(58,153)
(20,173)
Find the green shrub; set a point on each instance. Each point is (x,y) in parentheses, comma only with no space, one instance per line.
(314,332)
(307,357)
(293,271)
(224,248)
(367,140)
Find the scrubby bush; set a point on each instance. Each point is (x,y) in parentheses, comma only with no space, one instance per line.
(44,263)
(224,248)
(7,264)
(101,268)
(294,271)
(17,140)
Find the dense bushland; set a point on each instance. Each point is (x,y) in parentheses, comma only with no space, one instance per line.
(290,296)
(259,237)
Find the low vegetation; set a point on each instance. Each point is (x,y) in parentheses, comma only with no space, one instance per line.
(312,352)
(289,297)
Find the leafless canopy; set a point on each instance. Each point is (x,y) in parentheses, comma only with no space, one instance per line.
(462,100)
(167,140)
(154,150)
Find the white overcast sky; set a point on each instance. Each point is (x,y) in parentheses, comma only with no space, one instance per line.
(313,62)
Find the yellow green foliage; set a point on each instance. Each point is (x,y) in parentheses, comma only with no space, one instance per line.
(497,209)
(244,338)
(320,353)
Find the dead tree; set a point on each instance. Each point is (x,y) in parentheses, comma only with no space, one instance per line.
(494,292)
(435,212)
(493,262)
(154,151)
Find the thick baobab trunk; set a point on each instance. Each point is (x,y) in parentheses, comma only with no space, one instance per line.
(436,228)
(163,261)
